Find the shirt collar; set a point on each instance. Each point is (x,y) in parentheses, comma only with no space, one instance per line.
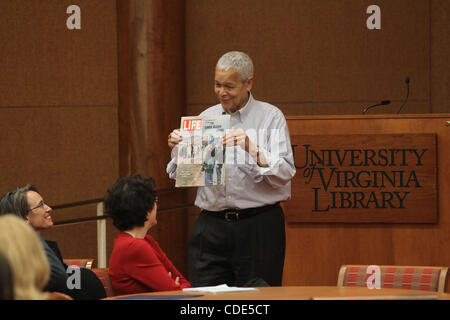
(245,110)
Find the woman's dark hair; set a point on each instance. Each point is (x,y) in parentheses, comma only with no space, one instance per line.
(6,279)
(128,201)
(16,201)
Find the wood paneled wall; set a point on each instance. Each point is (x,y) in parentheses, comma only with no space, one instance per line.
(58,109)
(152,101)
(315,251)
(70,100)
(440,51)
(166,105)
(318,56)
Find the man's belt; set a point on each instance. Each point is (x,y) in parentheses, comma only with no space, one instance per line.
(238,214)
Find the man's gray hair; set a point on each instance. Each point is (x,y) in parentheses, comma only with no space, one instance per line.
(239,61)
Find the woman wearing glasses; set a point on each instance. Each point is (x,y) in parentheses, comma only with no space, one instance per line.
(28,204)
(137,263)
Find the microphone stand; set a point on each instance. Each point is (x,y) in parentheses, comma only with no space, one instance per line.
(407,95)
(382,103)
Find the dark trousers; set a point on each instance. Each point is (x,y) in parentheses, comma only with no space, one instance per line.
(240,252)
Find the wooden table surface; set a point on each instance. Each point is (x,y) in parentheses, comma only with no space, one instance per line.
(299,293)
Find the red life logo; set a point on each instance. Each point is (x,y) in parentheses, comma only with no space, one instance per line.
(192,124)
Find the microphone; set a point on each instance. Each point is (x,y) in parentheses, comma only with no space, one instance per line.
(407,94)
(382,103)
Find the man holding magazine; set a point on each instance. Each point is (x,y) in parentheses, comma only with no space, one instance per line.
(239,237)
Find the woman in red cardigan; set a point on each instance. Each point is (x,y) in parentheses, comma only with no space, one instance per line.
(137,262)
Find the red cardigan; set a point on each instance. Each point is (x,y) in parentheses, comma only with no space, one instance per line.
(140,265)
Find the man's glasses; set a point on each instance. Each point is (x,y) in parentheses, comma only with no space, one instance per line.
(41,205)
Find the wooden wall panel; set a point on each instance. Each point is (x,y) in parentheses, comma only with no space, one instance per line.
(60,216)
(315,251)
(317,54)
(318,58)
(151,95)
(58,109)
(79,240)
(133,101)
(324,108)
(69,153)
(276,34)
(44,63)
(440,51)
(71,244)
(353,63)
(165,83)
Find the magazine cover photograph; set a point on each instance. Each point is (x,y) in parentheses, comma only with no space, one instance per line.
(201,153)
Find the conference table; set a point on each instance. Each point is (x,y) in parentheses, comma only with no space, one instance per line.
(294,293)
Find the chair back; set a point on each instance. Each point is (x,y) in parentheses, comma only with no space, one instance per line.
(400,277)
(82,263)
(103,275)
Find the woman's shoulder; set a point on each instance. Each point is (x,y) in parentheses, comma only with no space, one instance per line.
(132,248)
(127,241)
(149,239)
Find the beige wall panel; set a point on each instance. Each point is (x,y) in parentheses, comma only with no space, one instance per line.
(440,53)
(44,63)
(70,153)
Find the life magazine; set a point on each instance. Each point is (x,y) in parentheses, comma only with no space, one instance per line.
(201,153)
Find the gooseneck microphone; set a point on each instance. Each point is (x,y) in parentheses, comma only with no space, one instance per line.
(407,94)
(382,103)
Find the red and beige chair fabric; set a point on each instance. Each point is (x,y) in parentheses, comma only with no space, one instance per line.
(400,277)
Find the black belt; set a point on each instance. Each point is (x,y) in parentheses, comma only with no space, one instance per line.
(238,214)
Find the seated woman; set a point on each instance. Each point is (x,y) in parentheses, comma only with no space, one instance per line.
(137,263)
(27,204)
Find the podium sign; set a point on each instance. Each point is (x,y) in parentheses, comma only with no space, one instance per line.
(379,178)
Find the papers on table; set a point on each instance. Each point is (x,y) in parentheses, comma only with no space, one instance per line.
(220,288)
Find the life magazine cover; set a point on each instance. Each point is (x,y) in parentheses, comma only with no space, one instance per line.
(201,154)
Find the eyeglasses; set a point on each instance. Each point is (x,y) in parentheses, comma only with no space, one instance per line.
(41,205)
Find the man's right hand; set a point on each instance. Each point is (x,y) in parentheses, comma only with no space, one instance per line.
(174,138)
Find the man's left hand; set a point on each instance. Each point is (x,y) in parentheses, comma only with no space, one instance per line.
(237,137)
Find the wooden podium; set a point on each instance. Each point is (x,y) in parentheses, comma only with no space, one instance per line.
(369,189)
